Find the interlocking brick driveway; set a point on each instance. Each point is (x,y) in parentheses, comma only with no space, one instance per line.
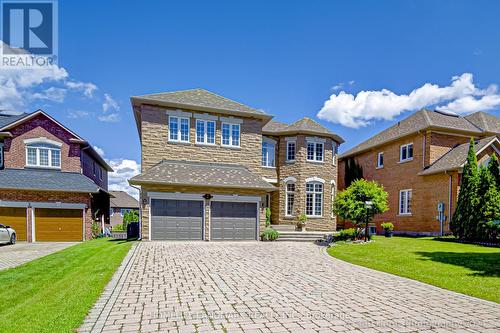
(21,252)
(273,287)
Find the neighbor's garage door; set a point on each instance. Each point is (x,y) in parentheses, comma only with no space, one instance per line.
(16,218)
(233,221)
(176,219)
(58,225)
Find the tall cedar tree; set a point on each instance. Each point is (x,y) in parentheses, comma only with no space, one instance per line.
(489,209)
(464,221)
(494,171)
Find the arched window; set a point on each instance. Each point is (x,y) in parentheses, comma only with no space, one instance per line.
(289,196)
(314,198)
(43,153)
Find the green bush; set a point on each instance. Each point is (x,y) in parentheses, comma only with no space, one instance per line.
(387,226)
(269,235)
(96,229)
(346,234)
(268,217)
(118,228)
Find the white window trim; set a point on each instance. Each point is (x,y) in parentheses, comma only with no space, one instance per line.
(401,153)
(380,166)
(405,205)
(290,180)
(314,160)
(334,155)
(314,199)
(1,155)
(231,124)
(273,143)
(288,142)
(179,120)
(42,140)
(315,180)
(38,165)
(287,193)
(205,132)
(334,194)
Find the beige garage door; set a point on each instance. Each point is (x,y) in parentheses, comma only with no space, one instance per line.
(16,218)
(58,225)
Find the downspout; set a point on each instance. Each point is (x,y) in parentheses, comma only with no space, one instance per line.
(140,211)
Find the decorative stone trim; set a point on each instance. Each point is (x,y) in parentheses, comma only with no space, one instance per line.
(315,179)
(179,113)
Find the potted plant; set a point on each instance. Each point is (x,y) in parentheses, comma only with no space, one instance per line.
(388,228)
(302,222)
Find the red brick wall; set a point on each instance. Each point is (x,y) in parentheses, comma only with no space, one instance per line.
(41,126)
(88,170)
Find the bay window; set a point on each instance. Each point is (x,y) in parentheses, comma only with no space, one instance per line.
(314,199)
(315,151)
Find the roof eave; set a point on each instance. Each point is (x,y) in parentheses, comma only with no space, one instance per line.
(50,190)
(152,182)
(336,137)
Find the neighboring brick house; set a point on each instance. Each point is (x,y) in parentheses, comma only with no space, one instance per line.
(120,202)
(52,182)
(210,166)
(419,162)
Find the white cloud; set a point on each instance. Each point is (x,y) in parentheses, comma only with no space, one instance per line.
(52,94)
(109,103)
(123,170)
(87,87)
(338,86)
(75,114)
(461,96)
(109,118)
(100,151)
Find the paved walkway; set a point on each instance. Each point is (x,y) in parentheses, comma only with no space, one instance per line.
(21,252)
(273,287)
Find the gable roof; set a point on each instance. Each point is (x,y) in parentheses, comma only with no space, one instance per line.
(121,199)
(200,99)
(304,125)
(46,180)
(8,122)
(456,157)
(418,121)
(201,174)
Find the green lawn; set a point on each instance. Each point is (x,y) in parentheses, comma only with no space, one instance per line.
(54,293)
(469,269)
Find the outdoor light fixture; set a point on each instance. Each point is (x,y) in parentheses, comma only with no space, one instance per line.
(208,196)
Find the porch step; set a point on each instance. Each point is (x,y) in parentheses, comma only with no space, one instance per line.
(301,236)
(283,227)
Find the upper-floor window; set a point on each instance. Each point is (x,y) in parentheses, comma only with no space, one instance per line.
(268,152)
(205,131)
(335,152)
(405,202)
(178,129)
(43,153)
(380,160)
(406,152)
(1,155)
(315,151)
(314,199)
(291,147)
(230,135)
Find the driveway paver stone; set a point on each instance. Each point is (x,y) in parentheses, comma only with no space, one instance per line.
(22,252)
(273,287)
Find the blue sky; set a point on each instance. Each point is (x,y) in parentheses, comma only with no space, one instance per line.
(285,57)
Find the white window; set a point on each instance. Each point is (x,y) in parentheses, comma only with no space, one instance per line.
(380,160)
(334,190)
(205,131)
(315,151)
(230,135)
(314,199)
(405,202)
(43,155)
(290,199)
(111,211)
(178,129)
(291,147)
(335,152)
(268,153)
(1,155)
(406,152)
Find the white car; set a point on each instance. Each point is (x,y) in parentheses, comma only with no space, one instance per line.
(7,234)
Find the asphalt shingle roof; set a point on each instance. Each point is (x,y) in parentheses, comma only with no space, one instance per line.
(304,125)
(201,98)
(122,199)
(418,121)
(201,174)
(456,157)
(485,122)
(46,180)
(6,119)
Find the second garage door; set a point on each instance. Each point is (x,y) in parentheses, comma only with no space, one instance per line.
(16,218)
(176,219)
(58,225)
(233,221)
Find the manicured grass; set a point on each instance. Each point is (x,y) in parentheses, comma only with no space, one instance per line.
(54,293)
(469,269)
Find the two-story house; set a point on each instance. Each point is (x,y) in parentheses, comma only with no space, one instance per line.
(419,162)
(210,167)
(52,182)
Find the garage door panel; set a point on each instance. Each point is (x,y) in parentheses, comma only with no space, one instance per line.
(16,218)
(176,219)
(233,221)
(58,225)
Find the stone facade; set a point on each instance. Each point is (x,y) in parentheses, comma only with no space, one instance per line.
(427,191)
